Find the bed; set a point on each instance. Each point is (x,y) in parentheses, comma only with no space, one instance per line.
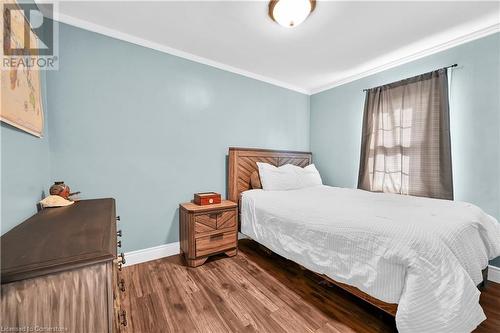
(416,258)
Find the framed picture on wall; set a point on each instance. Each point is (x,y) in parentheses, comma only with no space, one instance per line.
(20,98)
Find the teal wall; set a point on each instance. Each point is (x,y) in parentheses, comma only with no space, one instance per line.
(151,129)
(336,119)
(24,171)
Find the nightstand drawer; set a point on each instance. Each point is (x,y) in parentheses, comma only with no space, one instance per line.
(215,243)
(205,222)
(226,219)
(200,228)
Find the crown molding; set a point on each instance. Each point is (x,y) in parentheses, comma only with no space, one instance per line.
(401,58)
(86,25)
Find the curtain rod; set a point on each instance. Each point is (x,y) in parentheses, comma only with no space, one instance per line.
(451,66)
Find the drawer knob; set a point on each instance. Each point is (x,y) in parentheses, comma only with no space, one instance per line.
(119,243)
(118,218)
(121,285)
(122,317)
(119,233)
(121,258)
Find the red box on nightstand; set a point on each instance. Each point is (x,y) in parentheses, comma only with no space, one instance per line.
(207,198)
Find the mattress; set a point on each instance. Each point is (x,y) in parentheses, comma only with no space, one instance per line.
(424,254)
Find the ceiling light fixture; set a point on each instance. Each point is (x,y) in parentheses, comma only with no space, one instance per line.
(290,13)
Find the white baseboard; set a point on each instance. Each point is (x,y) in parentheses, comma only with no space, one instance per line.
(156,252)
(494,274)
(151,253)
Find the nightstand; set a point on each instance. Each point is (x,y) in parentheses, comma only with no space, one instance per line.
(208,230)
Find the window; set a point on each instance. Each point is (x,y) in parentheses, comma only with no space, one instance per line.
(405,145)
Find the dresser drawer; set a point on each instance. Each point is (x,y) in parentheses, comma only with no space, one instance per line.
(212,221)
(215,243)
(205,222)
(226,219)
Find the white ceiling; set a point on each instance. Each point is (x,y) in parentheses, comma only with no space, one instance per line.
(339,42)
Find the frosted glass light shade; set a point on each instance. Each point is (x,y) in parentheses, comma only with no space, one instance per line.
(290,13)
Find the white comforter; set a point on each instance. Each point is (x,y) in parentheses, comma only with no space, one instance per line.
(424,254)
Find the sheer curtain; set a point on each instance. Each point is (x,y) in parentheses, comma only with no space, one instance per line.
(405,146)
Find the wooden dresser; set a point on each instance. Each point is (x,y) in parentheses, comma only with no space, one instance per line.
(61,273)
(208,230)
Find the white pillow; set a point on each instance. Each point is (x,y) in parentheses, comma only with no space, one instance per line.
(277,179)
(287,177)
(309,176)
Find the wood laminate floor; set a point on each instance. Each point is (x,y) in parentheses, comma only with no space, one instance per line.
(253,292)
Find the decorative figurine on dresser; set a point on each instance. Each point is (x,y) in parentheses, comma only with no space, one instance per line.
(207,229)
(60,271)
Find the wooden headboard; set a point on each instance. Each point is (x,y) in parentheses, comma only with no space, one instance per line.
(243,161)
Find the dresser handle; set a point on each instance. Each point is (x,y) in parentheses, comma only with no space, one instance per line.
(118,218)
(119,243)
(216,237)
(121,285)
(119,233)
(121,258)
(122,317)
(120,266)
